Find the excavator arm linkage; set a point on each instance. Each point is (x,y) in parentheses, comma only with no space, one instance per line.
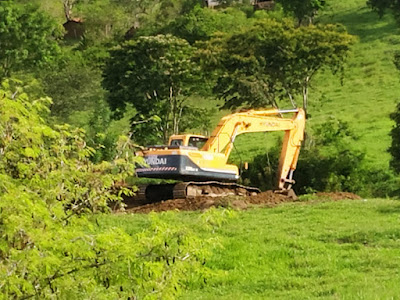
(229,127)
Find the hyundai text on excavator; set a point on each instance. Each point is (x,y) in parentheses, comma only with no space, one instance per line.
(201,162)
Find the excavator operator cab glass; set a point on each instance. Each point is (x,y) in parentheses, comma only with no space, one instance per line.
(198,142)
(177,142)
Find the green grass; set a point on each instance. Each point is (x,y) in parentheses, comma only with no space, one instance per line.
(371,83)
(305,250)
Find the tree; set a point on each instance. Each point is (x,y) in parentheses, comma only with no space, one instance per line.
(273,60)
(302,9)
(155,74)
(68,5)
(73,85)
(382,6)
(201,23)
(28,38)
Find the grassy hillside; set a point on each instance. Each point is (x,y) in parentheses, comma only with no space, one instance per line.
(334,250)
(370,87)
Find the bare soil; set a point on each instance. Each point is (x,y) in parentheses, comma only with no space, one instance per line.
(268,198)
(338,196)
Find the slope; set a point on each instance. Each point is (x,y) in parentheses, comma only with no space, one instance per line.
(368,92)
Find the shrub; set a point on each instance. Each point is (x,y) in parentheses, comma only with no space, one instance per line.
(329,163)
(50,194)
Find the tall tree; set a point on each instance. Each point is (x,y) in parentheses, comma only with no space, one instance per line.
(303,10)
(154,74)
(27,38)
(273,60)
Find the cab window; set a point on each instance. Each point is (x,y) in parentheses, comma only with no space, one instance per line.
(177,142)
(197,142)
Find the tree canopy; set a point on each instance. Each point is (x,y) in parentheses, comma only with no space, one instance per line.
(383,6)
(273,60)
(27,38)
(200,24)
(302,9)
(155,74)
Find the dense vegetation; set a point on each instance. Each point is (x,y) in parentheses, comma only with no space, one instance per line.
(51,196)
(156,68)
(75,101)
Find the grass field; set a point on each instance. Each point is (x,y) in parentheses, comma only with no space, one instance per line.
(315,249)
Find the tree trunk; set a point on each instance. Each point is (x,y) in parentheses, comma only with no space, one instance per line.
(305,94)
(68,4)
(292,100)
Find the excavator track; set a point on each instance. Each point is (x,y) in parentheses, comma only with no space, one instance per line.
(194,189)
(152,193)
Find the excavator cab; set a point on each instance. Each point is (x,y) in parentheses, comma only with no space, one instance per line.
(188,140)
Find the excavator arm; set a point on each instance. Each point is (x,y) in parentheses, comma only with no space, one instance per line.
(223,137)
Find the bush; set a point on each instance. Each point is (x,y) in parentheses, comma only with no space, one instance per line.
(262,171)
(51,245)
(328,163)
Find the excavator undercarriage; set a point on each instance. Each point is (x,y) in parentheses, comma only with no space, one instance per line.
(150,193)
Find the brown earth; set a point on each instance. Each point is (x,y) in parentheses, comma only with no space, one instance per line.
(338,196)
(268,198)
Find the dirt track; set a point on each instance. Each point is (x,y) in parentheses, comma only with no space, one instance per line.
(268,198)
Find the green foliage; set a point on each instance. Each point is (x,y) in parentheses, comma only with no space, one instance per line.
(328,162)
(51,195)
(104,20)
(27,37)
(55,163)
(73,85)
(394,149)
(156,75)
(382,6)
(273,60)
(201,23)
(302,9)
(262,171)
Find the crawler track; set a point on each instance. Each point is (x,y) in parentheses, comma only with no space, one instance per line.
(153,193)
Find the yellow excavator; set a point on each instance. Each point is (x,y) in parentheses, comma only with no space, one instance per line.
(201,163)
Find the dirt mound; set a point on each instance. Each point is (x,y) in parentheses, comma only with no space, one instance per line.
(268,198)
(338,196)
